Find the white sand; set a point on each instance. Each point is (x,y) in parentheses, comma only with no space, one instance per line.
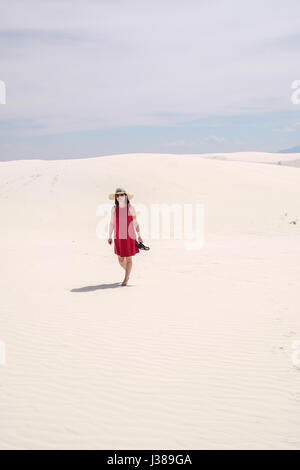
(194,354)
(290,159)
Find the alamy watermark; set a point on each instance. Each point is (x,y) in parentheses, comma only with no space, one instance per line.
(2,92)
(159,222)
(296,354)
(295,98)
(2,353)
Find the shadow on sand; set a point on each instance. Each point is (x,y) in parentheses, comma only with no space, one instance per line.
(100,286)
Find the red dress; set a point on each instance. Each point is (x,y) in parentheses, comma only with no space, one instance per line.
(124,233)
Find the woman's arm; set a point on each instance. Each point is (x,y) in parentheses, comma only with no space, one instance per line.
(135,222)
(111,224)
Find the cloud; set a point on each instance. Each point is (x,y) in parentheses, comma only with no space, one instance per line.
(191,143)
(213,138)
(292,128)
(17,37)
(73,66)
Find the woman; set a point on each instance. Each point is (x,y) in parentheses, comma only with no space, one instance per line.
(123,222)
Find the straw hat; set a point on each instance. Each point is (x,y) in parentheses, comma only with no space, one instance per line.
(120,190)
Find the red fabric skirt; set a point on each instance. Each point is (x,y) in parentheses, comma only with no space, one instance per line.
(124,233)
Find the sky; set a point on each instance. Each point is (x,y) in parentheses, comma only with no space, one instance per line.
(86,78)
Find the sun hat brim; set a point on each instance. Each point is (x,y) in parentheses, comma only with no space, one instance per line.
(112,196)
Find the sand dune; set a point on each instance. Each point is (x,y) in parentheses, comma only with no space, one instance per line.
(292,159)
(195,353)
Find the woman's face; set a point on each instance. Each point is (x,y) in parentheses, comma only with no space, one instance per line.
(120,197)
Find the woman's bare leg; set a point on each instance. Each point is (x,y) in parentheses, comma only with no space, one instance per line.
(122,261)
(128,270)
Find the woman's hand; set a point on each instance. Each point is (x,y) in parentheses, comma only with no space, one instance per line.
(140,239)
(110,241)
